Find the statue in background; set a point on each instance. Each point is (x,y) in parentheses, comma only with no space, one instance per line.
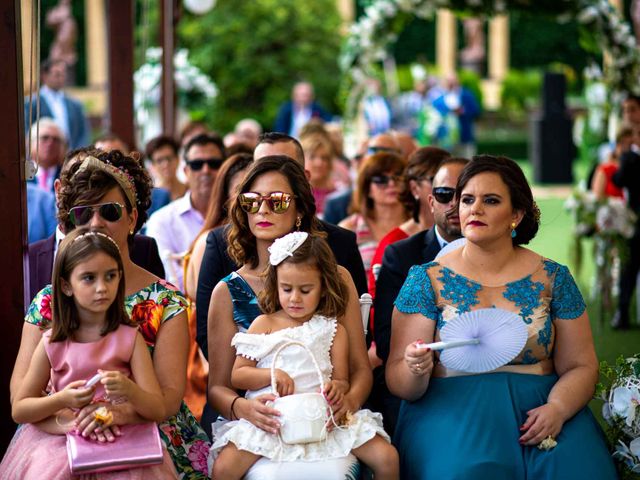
(60,18)
(473,54)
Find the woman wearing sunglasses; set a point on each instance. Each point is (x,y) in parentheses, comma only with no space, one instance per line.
(529,418)
(376,205)
(274,199)
(110,192)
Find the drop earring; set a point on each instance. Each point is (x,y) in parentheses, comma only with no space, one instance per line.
(298,223)
(131,231)
(513,230)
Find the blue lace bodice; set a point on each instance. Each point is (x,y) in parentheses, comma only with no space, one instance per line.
(540,298)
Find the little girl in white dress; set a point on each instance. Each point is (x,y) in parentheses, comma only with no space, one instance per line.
(303,296)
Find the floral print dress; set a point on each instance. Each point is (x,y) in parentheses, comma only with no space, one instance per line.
(149,308)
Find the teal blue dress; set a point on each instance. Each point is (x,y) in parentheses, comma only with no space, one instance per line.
(468,426)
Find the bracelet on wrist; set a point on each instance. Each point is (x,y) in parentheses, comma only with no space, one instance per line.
(232,413)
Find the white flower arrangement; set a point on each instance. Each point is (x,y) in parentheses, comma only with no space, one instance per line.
(610,223)
(370,37)
(192,85)
(621,411)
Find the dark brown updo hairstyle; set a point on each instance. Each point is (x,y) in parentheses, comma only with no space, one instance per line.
(519,191)
(242,243)
(88,186)
(376,164)
(76,248)
(423,165)
(313,251)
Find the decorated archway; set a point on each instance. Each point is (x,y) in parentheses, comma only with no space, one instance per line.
(600,24)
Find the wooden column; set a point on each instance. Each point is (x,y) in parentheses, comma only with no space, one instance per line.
(13,214)
(167,39)
(120,35)
(446,42)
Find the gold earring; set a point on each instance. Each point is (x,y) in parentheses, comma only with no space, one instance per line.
(513,230)
(131,231)
(298,223)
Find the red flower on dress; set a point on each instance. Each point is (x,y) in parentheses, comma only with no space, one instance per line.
(148,316)
(45,307)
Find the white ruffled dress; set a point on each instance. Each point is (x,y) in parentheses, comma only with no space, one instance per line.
(317,334)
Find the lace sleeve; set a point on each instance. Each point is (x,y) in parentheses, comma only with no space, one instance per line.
(253,346)
(416,295)
(566,302)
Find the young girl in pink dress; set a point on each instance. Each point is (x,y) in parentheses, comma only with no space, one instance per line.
(91,334)
(303,295)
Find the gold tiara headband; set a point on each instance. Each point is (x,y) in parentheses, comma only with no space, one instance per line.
(96,234)
(121,176)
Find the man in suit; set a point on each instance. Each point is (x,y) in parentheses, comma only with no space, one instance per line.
(54,103)
(48,147)
(143,250)
(627,177)
(295,114)
(398,258)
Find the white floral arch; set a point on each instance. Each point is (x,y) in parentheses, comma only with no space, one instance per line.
(371,35)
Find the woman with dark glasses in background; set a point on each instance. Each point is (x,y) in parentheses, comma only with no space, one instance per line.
(376,206)
(110,192)
(274,199)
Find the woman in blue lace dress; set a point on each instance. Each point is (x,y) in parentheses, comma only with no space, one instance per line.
(275,199)
(502,424)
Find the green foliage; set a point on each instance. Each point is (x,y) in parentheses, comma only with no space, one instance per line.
(520,88)
(255,51)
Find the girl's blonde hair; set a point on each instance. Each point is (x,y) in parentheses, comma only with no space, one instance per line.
(77,247)
(314,251)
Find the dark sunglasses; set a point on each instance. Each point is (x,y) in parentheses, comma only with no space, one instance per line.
(443,194)
(278,202)
(196,164)
(383,180)
(82,214)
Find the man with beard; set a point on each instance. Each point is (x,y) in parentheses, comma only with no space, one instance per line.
(175,226)
(398,258)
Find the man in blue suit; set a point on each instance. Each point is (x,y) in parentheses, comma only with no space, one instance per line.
(295,114)
(54,103)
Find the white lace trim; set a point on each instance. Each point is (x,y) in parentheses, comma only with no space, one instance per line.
(255,346)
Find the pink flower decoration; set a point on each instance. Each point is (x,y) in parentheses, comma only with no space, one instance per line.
(198,456)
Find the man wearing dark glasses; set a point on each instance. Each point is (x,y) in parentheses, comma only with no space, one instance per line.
(175,226)
(399,257)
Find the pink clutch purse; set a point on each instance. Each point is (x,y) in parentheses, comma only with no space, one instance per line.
(138,446)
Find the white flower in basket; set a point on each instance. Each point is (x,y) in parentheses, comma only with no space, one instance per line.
(304,416)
